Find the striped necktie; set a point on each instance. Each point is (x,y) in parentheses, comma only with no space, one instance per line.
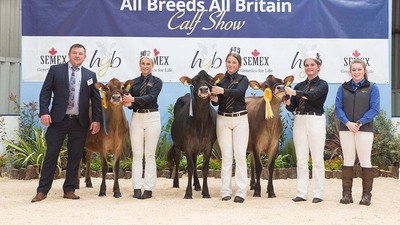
(230,100)
(142,90)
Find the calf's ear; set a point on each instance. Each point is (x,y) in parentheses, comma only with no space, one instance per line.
(100,85)
(218,78)
(128,84)
(185,80)
(255,85)
(288,80)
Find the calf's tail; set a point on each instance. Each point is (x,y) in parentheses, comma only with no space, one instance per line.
(171,156)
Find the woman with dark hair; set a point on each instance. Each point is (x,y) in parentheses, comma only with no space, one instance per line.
(232,126)
(356,105)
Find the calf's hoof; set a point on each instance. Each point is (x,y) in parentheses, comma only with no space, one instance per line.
(271,195)
(206,196)
(187,196)
(117,194)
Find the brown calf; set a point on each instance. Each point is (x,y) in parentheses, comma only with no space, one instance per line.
(265,132)
(110,138)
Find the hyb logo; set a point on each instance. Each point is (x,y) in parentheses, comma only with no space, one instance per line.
(205,61)
(255,59)
(104,59)
(52,58)
(355,55)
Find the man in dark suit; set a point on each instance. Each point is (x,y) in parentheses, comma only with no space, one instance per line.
(72,88)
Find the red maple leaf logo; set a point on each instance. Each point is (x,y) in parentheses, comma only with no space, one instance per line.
(356,53)
(53,51)
(255,53)
(156,52)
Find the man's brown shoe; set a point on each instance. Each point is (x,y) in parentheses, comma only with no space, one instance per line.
(39,197)
(71,195)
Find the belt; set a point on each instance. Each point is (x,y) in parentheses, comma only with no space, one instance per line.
(71,116)
(145,110)
(234,114)
(308,113)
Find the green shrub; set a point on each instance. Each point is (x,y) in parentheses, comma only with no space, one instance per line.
(161,163)
(183,164)
(30,145)
(386,145)
(333,164)
(164,144)
(95,164)
(2,160)
(280,161)
(289,152)
(215,164)
(126,164)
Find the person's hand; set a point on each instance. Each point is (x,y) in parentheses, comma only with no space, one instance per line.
(287,102)
(215,90)
(290,91)
(127,100)
(214,98)
(45,120)
(95,127)
(127,104)
(353,127)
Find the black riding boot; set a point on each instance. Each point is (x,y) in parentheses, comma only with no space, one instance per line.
(347,184)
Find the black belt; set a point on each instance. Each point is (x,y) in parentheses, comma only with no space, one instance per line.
(234,114)
(71,116)
(308,113)
(145,110)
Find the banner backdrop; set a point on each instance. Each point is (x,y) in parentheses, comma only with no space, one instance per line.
(188,36)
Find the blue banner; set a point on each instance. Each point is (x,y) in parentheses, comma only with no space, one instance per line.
(359,19)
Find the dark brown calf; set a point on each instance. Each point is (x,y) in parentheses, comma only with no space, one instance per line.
(265,132)
(111,137)
(194,133)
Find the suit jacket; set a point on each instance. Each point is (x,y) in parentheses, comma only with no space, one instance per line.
(56,84)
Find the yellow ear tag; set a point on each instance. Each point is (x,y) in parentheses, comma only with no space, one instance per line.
(186,83)
(288,83)
(128,87)
(268,109)
(217,81)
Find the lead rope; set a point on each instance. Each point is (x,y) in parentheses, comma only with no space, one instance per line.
(104,109)
(191,101)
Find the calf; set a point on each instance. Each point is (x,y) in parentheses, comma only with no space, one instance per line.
(194,130)
(265,131)
(110,138)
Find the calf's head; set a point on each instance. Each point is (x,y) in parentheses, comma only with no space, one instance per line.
(113,91)
(201,83)
(275,85)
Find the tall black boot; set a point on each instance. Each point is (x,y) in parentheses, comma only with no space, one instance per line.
(347,184)
(367,181)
